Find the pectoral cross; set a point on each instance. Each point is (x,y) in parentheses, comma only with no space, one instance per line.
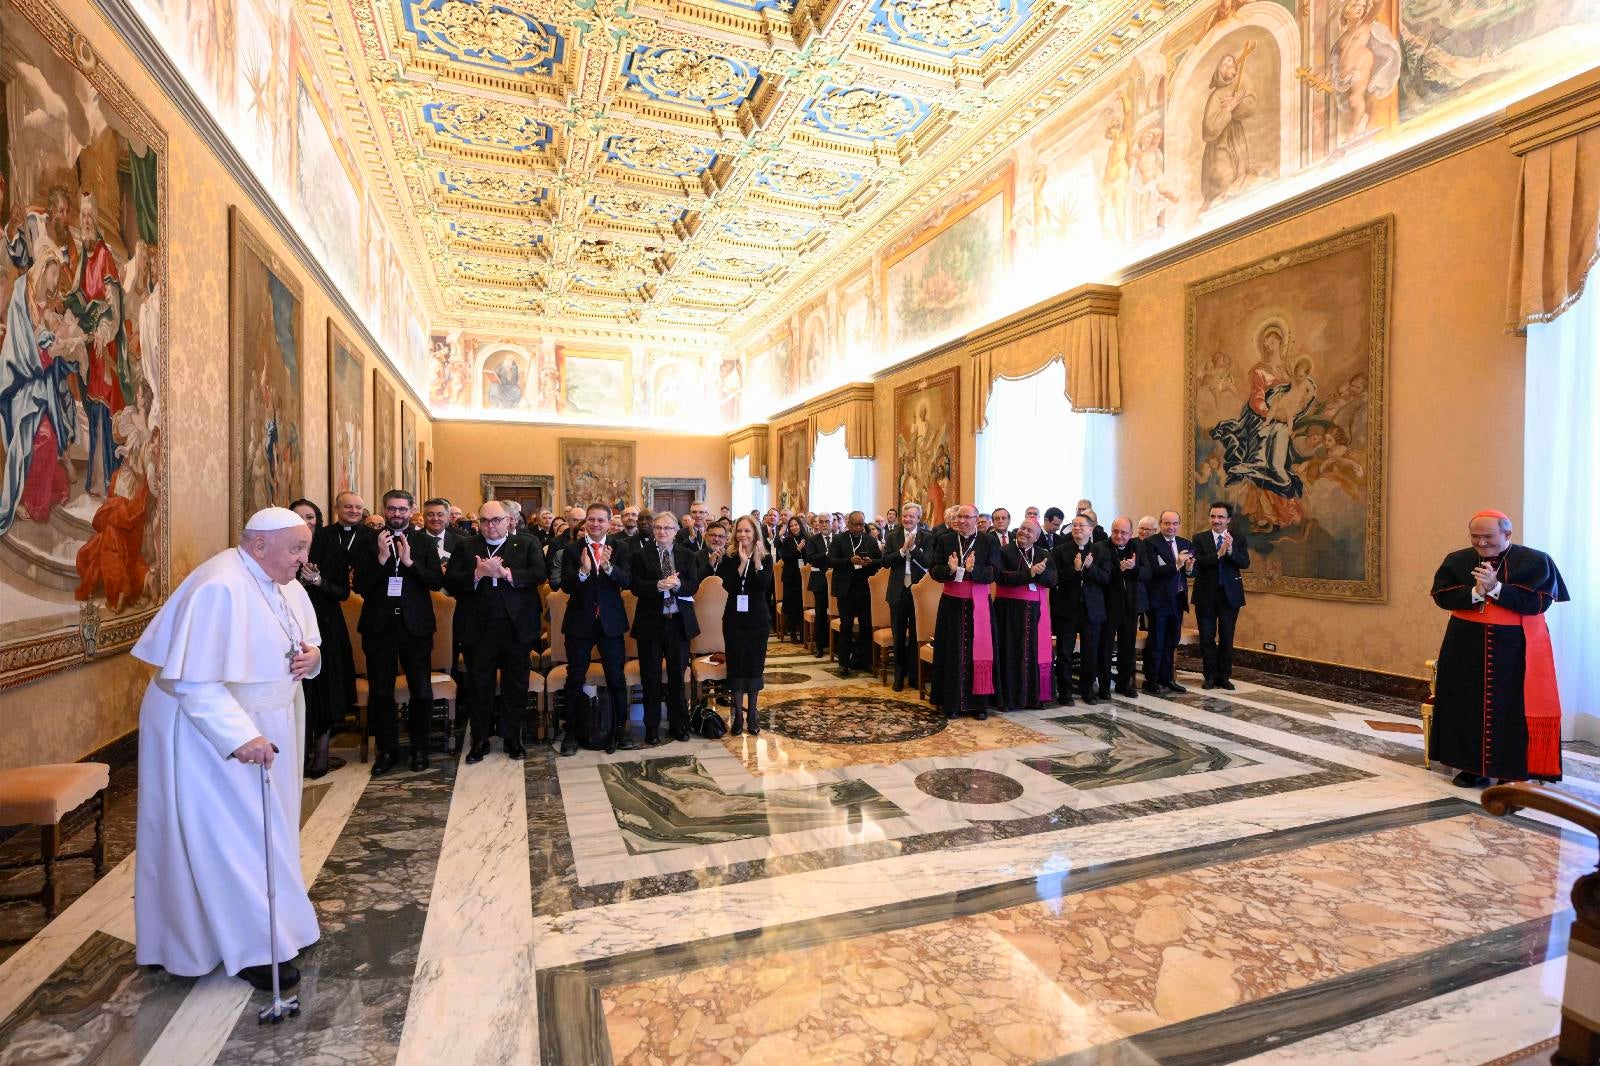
(289,656)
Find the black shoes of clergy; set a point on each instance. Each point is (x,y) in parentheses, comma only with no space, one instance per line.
(569,744)
(260,977)
(383,763)
(1468,779)
(514,750)
(419,761)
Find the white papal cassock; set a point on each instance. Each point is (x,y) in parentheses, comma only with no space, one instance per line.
(220,645)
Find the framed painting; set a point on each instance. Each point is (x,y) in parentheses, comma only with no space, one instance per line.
(385,475)
(794,467)
(944,278)
(594,470)
(347,382)
(594,384)
(408,453)
(84,549)
(266,349)
(927,443)
(1285,368)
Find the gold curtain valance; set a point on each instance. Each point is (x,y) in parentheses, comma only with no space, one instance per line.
(1554,230)
(850,407)
(1079,326)
(751,441)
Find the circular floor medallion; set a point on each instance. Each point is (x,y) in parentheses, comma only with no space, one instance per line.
(855,720)
(786,677)
(959,785)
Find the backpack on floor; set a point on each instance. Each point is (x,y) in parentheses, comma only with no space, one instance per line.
(706,722)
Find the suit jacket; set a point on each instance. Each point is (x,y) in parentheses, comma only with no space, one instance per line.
(1015,573)
(1216,577)
(1003,539)
(984,548)
(895,558)
(688,536)
(647,617)
(847,580)
(1051,541)
(1079,593)
(1124,592)
(816,553)
(422,577)
(1164,592)
(452,542)
(482,604)
(595,602)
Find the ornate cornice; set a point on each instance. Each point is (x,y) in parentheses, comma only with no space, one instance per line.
(1560,111)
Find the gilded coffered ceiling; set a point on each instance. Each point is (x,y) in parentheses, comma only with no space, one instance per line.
(640,168)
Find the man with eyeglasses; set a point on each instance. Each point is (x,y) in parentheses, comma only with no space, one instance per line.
(665,577)
(595,568)
(964,561)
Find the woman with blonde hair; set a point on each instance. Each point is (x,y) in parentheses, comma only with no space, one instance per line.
(746,576)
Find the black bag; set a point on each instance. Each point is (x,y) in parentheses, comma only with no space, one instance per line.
(707,723)
(590,721)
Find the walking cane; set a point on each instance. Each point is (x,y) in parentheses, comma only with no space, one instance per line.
(280,1007)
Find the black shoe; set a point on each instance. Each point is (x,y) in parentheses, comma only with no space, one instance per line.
(419,762)
(1067,701)
(1104,693)
(981,714)
(737,729)
(1150,690)
(651,739)
(1208,684)
(1225,683)
(679,733)
(899,684)
(382,764)
(1173,686)
(755,723)
(478,751)
(625,742)
(1089,699)
(569,745)
(260,977)
(1468,779)
(515,750)
(949,716)
(1128,690)
(844,675)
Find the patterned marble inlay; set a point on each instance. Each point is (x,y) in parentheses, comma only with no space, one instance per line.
(855,719)
(1133,752)
(969,786)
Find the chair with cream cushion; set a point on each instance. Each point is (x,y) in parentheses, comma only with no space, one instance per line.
(43,796)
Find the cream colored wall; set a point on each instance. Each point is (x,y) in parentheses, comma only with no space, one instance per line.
(466,450)
(69,714)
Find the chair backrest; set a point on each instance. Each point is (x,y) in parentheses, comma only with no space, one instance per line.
(352,621)
(777,578)
(878,588)
(557,604)
(926,595)
(444,624)
(629,603)
(710,599)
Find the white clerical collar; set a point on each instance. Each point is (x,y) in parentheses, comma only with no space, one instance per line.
(254,568)
(495,543)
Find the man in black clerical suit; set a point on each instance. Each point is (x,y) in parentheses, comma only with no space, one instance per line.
(1168,561)
(905,557)
(964,561)
(1081,604)
(1219,556)
(495,578)
(395,579)
(1118,561)
(854,557)
(665,577)
(816,554)
(595,568)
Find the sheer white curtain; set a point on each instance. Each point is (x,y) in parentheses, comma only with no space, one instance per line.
(1037,450)
(749,493)
(838,482)
(1561,493)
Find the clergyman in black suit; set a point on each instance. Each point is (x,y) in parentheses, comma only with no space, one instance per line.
(1080,604)
(854,557)
(495,578)
(1219,556)
(1168,562)
(395,579)
(1119,563)
(665,577)
(816,553)
(905,557)
(595,569)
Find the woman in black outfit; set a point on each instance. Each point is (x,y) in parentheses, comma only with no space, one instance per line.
(746,577)
(792,551)
(325,575)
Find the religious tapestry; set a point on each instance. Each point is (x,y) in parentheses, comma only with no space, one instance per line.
(385,475)
(596,471)
(347,377)
(266,352)
(408,452)
(794,468)
(1286,384)
(927,443)
(83,352)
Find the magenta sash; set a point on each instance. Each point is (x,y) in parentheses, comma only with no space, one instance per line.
(1041,596)
(982,633)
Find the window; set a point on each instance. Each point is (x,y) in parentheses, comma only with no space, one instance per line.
(1561,494)
(1037,450)
(838,482)
(749,493)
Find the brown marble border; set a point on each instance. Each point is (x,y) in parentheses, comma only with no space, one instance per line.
(1360,679)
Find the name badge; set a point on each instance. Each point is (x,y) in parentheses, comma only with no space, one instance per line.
(741,603)
(396,583)
(1032,587)
(858,566)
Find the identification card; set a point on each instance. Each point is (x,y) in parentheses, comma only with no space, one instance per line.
(1032,587)
(396,583)
(741,602)
(858,566)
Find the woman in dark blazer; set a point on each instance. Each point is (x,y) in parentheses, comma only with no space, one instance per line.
(746,576)
(325,575)
(792,551)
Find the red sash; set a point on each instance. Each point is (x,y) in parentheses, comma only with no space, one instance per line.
(1541,699)
(1040,596)
(982,634)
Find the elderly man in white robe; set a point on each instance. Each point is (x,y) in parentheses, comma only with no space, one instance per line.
(230,648)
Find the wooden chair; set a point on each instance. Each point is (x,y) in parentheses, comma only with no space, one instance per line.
(44,796)
(777,596)
(555,668)
(710,599)
(926,594)
(556,679)
(808,619)
(443,685)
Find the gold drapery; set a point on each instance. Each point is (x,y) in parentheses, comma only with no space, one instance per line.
(751,441)
(1079,327)
(850,407)
(1557,220)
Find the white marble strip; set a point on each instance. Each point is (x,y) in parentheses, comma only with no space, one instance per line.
(472,993)
(1471,1025)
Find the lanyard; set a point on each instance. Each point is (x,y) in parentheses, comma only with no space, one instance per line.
(963,549)
(1027,560)
(855,545)
(744,570)
(348,544)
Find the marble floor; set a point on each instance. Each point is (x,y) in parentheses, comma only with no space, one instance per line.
(1266,876)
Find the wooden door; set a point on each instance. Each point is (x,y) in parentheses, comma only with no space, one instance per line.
(531,497)
(677,501)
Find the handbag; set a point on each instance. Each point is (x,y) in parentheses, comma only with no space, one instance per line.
(708,723)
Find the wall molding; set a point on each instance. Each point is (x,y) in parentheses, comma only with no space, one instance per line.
(1559,112)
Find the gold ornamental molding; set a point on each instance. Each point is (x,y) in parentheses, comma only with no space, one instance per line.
(750,440)
(1560,111)
(1047,314)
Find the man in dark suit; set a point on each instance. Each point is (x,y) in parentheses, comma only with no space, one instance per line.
(395,579)
(1051,534)
(816,554)
(665,577)
(905,557)
(694,534)
(854,557)
(1219,556)
(1000,526)
(495,578)
(1168,562)
(436,523)
(1080,606)
(1119,563)
(594,571)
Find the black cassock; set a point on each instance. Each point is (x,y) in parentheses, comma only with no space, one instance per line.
(333,691)
(1481,714)
(953,629)
(1019,680)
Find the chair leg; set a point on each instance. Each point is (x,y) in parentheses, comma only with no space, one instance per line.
(49,847)
(365,732)
(99,851)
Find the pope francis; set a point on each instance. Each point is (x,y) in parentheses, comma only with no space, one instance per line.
(230,648)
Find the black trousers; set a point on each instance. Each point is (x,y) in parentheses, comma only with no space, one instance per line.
(498,662)
(1162,646)
(855,630)
(673,650)
(903,634)
(613,657)
(819,628)
(388,654)
(1216,640)
(1119,636)
(1080,629)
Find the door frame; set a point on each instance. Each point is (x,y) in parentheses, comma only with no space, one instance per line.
(545,482)
(649,485)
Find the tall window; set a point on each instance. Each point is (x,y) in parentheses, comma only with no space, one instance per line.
(838,482)
(1561,492)
(749,493)
(1037,450)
